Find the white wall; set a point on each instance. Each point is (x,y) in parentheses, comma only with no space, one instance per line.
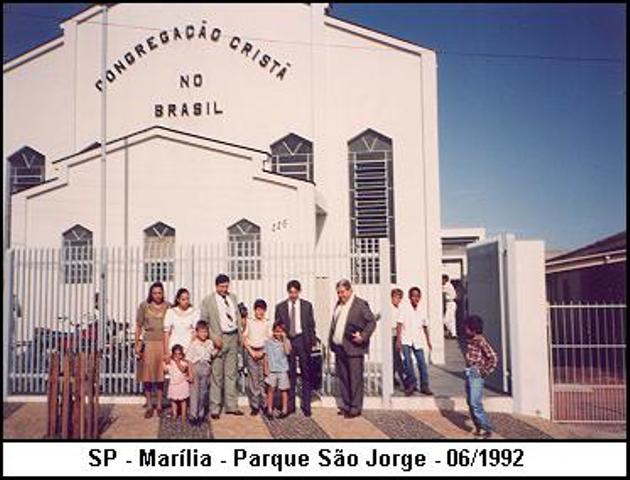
(223,189)
(529,345)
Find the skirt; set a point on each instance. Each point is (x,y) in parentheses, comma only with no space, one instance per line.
(178,391)
(151,366)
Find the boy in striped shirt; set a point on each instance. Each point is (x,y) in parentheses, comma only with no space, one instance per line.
(481,360)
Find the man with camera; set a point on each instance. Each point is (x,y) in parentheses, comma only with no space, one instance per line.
(224,316)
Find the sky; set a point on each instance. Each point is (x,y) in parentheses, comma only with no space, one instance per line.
(531,107)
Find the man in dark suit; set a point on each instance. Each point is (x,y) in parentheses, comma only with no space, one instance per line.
(352,325)
(296,314)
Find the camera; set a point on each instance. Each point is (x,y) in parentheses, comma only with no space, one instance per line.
(242,309)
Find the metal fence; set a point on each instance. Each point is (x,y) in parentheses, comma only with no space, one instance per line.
(54,302)
(588,362)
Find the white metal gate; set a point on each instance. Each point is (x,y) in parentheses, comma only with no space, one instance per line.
(53,302)
(587,344)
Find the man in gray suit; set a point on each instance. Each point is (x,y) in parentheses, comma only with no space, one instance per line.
(352,325)
(220,310)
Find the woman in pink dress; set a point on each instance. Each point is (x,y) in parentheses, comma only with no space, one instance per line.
(179,385)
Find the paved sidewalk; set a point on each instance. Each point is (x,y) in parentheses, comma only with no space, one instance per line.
(28,420)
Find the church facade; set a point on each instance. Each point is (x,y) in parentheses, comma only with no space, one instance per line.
(273,123)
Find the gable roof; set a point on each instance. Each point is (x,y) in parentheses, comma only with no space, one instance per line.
(357,28)
(613,243)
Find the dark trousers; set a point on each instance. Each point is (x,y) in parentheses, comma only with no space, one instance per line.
(349,372)
(300,352)
(399,369)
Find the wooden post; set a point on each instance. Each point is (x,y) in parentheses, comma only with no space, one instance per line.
(97,390)
(53,400)
(67,395)
(81,394)
(90,396)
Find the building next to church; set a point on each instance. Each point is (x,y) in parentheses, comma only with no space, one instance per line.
(224,122)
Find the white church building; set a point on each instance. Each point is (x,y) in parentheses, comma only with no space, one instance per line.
(273,123)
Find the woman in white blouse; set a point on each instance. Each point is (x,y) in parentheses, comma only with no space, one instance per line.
(180,322)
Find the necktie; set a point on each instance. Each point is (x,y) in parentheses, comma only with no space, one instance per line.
(227,310)
(292,330)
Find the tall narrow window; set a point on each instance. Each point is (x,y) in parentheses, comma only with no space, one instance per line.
(27,168)
(77,255)
(244,250)
(159,253)
(371,203)
(293,156)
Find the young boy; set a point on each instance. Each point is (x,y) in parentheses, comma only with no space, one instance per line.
(481,360)
(257,332)
(200,354)
(276,368)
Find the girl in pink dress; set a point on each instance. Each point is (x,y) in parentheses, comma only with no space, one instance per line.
(179,385)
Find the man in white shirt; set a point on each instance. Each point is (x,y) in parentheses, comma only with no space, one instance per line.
(396,297)
(296,314)
(449,295)
(349,338)
(413,339)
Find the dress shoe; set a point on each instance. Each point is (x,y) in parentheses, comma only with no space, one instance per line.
(253,412)
(214,416)
(238,413)
(426,390)
(306,413)
(352,415)
(341,411)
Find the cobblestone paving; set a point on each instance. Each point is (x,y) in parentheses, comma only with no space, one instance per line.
(295,426)
(174,429)
(399,424)
(120,421)
(509,427)
(9,409)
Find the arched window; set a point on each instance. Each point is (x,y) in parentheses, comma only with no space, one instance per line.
(159,253)
(244,251)
(27,169)
(293,156)
(78,255)
(371,203)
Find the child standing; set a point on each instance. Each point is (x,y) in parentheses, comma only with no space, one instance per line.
(257,332)
(276,368)
(200,354)
(178,387)
(481,360)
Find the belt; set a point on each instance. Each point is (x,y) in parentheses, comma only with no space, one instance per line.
(231,333)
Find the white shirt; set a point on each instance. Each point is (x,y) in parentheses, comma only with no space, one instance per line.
(341,314)
(298,318)
(181,324)
(395,313)
(227,325)
(199,351)
(448,290)
(412,321)
(257,332)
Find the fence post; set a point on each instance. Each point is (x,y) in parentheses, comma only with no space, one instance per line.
(9,319)
(387,373)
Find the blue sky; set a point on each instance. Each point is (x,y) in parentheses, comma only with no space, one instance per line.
(528,145)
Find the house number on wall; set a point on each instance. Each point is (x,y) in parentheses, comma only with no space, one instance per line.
(280,225)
